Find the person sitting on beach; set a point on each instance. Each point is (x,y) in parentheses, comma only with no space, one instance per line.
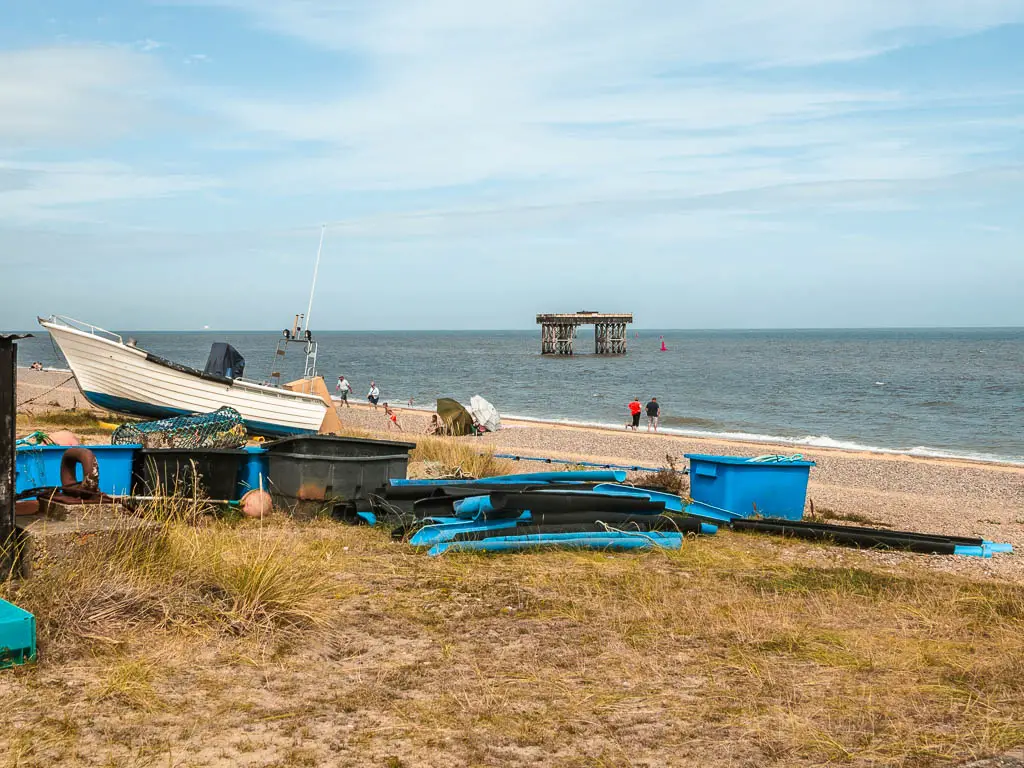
(392,418)
(374,395)
(653,411)
(435,427)
(343,388)
(36,366)
(634,412)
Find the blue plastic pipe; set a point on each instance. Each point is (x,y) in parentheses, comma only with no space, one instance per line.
(548,537)
(519,543)
(996,547)
(961,549)
(472,506)
(594,476)
(432,534)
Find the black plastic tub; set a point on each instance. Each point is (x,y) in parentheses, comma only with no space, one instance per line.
(213,471)
(314,471)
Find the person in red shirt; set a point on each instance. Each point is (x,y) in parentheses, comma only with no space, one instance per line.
(634,412)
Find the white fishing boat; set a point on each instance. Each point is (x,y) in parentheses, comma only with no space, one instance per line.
(120,377)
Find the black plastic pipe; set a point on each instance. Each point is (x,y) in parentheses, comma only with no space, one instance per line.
(909,542)
(554,503)
(965,540)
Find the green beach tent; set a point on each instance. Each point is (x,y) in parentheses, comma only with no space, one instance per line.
(456,418)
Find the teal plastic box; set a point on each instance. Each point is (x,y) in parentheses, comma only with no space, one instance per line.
(39,465)
(17,635)
(740,486)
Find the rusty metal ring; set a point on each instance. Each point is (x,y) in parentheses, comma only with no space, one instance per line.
(79,456)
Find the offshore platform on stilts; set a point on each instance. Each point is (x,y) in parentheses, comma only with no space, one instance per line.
(558,332)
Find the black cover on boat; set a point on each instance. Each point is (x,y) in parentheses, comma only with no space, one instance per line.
(224,360)
(548,503)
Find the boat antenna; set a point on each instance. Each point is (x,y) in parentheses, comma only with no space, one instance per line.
(316,268)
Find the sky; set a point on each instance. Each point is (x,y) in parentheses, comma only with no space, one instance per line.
(168,164)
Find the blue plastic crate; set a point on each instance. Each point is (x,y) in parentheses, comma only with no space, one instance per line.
(39,466)
(744,487)
(17,635)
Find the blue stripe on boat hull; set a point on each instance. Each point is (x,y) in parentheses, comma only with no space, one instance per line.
(148,410)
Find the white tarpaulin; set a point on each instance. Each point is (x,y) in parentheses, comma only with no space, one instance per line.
(485,414)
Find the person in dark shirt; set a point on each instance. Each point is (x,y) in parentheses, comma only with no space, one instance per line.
(653,411)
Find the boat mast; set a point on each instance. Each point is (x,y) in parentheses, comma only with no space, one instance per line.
(316,269)
(310,367)
(299,334)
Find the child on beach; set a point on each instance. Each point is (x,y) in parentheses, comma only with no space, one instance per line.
(392,418)
(435,427)
(374,395)
(634,412)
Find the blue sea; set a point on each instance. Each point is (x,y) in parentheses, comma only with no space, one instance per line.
(949,392)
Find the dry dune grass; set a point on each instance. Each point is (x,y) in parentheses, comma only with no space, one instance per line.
(458,458)
(171,575)
(292,644)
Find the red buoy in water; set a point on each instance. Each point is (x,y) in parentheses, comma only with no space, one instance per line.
(663,347)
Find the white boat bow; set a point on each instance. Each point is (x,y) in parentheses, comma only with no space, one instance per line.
(121,377)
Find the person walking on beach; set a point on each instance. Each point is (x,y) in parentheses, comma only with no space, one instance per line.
(343,388)
(653,411)
(392,418)
(374,395)
(634,412)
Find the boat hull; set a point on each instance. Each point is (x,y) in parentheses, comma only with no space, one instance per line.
(127,380)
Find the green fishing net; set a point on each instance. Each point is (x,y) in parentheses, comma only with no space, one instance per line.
(223,428)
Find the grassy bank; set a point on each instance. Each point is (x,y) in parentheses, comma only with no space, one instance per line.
(316,644)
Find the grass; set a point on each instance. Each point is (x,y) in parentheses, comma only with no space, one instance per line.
(320,644)
(193,640)
(171,574)
(824,514)
(457,458)
(81,422)
(70,419)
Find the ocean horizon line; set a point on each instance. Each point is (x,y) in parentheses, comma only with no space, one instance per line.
(766,329)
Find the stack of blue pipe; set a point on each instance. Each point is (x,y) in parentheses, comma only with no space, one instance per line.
(594,510)
(543,510)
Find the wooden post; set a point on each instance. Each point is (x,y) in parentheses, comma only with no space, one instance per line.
(8,437)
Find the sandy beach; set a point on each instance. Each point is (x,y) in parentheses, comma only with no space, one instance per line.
(911,493)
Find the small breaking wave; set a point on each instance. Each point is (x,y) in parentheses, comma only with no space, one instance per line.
(812,441)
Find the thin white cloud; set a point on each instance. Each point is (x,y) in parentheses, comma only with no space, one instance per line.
(691,31)
(72,93)
(580,100)
(47,191)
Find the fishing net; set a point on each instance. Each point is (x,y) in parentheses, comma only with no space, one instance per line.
(221,429)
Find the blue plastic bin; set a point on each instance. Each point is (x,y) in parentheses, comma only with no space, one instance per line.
(255,469)
(17,635)
(38,466)
(742,486)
